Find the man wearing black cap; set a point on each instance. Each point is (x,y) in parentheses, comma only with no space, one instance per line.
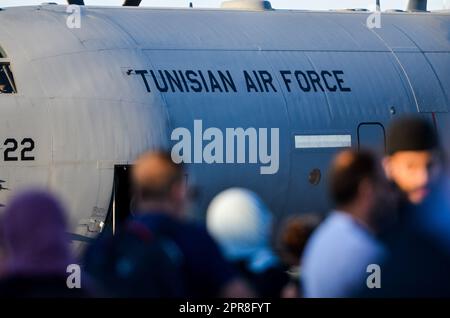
(414,160)
(418,244)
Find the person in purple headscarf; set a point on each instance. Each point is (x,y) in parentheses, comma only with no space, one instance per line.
(37,248)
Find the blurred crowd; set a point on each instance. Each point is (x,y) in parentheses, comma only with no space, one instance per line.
(388,235)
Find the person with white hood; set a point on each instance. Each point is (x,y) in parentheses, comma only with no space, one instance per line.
(242,225)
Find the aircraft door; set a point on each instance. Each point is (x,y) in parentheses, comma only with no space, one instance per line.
(372,136)
(120,208)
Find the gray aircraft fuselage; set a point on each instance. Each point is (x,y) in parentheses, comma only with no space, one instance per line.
(92,98)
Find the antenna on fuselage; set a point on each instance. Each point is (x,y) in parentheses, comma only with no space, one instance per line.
(132,3)
(76,2)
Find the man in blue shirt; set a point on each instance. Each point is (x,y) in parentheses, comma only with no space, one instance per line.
(337,257)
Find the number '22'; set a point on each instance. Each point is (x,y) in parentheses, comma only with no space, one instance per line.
(10,153)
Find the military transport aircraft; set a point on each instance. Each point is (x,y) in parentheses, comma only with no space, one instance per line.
(78,103)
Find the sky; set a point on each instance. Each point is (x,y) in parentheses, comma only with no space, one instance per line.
(280,4)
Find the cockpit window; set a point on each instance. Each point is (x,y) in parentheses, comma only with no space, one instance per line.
(7,85)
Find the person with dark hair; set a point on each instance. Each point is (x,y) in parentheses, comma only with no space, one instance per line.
(37,248)
(294,233)
(338,254)
(414,159)
(160,201)
(419,242)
